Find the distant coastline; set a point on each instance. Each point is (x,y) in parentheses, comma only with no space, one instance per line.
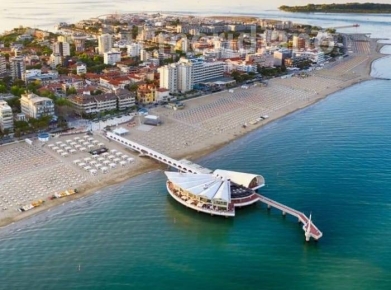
(364,8)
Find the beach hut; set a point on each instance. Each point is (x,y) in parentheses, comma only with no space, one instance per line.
(113,150)
(82,164)
(51,145)
(104,169)
(123,163)
(106,162)
(77,161)
(72,151)
(87,159)
(68,141)
(82,149)
(112,165)
(118,153)
(116,160)
(93,171)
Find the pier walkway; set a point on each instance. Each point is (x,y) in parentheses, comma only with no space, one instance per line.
(180,165)
(310,230)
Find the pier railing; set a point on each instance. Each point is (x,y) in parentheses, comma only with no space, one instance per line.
(310,230)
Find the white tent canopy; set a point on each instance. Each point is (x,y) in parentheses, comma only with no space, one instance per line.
(248,180)
(203,185)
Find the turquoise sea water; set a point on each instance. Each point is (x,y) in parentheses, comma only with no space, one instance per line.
(332,159)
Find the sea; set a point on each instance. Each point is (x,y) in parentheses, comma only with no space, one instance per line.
(331,160)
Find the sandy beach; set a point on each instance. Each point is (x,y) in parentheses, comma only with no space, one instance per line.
(205,124)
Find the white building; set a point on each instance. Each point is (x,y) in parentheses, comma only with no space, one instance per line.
(34,106)
(182,76)
(169,77)
(203,70)
(3,67)
(55,59)
(6,117)
(134,49)
(62,48)
(36,74)
(111,57)
(144,55)
(185,77)
(81,69)
(105,43)
(185,45)
(17,67)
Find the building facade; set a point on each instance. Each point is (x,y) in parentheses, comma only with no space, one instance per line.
(105,43)
(3,67)
(17,67)
(6,117)
(169,77)
(34,106)
(62,48)
(111,57)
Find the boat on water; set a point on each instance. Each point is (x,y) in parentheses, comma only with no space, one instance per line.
(31,205)
(65,193)
(218,193)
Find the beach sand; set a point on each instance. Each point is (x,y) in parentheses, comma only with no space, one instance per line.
(210,122)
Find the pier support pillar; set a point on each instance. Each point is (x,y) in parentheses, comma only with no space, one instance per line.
(268,207)
(284,213)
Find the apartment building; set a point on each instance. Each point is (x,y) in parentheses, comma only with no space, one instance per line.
(203,70)
(169,77)
(6,117)
(146,94)
(125,99)
(182,76)
(3,67)
(34,106)
(134,49)
(120,99)
(61,48)
(18,67)
(111,57)
(105,43)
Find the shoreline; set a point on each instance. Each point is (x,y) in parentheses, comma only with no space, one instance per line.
(148,165)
